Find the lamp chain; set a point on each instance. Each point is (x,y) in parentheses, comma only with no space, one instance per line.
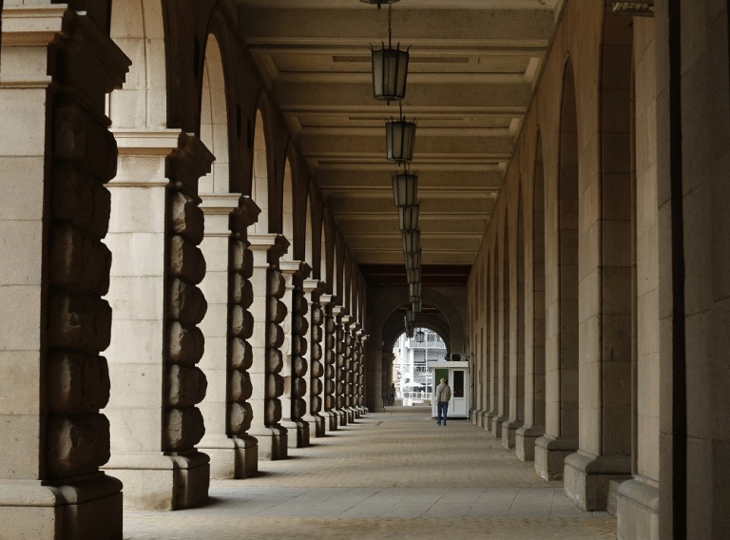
(390,32)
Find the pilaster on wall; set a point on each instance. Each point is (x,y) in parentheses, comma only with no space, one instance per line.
(295,328)
(330,362)
(268,312)
(227,326)
(311,289)
(56,154)
(156,226)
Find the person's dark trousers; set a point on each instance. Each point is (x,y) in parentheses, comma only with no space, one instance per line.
(443,407)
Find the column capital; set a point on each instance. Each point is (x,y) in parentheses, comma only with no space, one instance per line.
(312,286)
(247,213)
(295,268)
(337,310)
(325,300)
(275,244)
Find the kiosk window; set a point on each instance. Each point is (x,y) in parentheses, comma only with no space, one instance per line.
(458,383)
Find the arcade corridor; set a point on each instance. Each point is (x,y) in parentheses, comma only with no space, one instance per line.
(392,475)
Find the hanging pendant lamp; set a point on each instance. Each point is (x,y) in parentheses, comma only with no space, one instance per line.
(408,218)
(413,260)
(411,241)
(405,188)
(390,70)
(400,139)
(416,304)
(413,274)
(414,289)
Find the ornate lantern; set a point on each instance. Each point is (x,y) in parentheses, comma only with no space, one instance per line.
(390,70)
(405,187)
(408,217)
(411,241)
(400,139)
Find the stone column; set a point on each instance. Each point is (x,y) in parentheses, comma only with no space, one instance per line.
(294,352)
(360,372)
(311,289)
(156,226)
(339,379)
(354,369)
(56,154)
(268,337)
(330,362)
(227,326)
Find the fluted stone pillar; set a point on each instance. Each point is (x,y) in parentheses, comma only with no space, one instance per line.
(227,326)
(294,351)
(156,226)
(330,363)
(269,312)
(311,289)
(57,153)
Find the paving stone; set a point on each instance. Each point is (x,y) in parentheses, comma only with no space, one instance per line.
(388,475)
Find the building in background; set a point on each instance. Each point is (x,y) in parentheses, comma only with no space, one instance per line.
(412,378)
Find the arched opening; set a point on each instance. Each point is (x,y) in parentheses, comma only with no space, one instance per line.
(323,253)
(214,120)
(309,240)
(260,183)
(561,276)
(413,380)
(287,211)
(137,27)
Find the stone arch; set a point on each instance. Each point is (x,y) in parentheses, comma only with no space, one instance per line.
(137,27)
(561,285)
(308,237)
(287,209)
(263,168)
(214,120)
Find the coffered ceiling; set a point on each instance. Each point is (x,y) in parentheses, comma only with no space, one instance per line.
(473,67)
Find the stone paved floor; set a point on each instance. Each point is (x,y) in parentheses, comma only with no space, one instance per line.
(390,475)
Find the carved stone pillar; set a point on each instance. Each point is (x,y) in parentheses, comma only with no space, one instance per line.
(313,397)
(330,362)
(340,365)
(295,327)
(360,372)
(57,153)
(266,341)
(351,362)
(156,226)
(227,326)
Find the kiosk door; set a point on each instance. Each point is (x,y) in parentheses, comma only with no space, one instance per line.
(459,402)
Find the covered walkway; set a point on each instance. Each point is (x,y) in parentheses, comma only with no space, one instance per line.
(389,475)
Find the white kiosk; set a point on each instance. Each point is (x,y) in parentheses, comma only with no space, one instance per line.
(457,377)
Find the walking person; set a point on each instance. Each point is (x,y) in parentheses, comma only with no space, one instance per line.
(442,396)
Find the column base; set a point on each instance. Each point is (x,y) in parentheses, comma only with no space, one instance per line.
(350,413)
(87,507)
(497,422)
(317,425)
(489,417)
(637,510)
(525,438)
(509,429)
(272,442)
(155,481)
(231,457)
(332,421)
(550,454)
(341,417)
(586,478)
